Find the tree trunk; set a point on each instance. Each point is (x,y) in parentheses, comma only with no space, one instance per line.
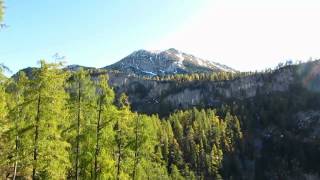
(36,139)
(17,147)
(119,152)
(136,153)
(97,143)
(15,170)
(16,162)
(78,132)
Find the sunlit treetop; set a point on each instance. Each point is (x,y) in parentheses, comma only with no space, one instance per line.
(1,10)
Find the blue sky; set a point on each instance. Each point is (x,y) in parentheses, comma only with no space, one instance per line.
(92,33)
(246,35)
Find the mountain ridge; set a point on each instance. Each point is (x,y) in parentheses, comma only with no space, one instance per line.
(166,62)
(277,109)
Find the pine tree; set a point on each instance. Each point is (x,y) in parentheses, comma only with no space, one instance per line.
(175,174)
(191,148)
(175,155)
(215,160)
(233,131)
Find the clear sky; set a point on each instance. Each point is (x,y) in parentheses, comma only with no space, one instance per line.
(246,34)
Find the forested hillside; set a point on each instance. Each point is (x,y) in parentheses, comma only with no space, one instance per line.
(165,94)
(278,111)
(159,114)
(60,125)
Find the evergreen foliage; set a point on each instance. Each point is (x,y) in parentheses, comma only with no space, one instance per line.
(1,10)
(58,125)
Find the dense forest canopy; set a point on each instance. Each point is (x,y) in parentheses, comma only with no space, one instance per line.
(71,122)
(61,125)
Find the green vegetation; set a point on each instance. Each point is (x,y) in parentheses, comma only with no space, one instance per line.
(213,76)
(218,76)
(1,10)
(280,127)
(60,125)
(282,143)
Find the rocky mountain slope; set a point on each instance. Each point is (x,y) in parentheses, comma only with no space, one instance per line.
(278,110)
(153,96)
(156,96)
(171,61)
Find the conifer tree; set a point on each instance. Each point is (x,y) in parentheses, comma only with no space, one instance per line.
(42,130)
(104,118)
(123,133)
(233,131)
(215,160)
(144,143)
(3,121)
(191,148)
(82,106)
(175,174)
(16,116)
(138,142)
(47,114)
(1,10)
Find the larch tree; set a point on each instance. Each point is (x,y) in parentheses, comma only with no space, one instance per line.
(146,164)
(47,114)
(138,141)
(2,105)
(55,126)
(1,10)
(106,111)
(123,134)
(142,144)
(215,162)
(3,121)
(17,125)
(82,108)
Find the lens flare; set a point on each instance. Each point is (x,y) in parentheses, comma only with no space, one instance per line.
(311,76)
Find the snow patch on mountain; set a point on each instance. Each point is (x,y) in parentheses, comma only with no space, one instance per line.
(150,73)
(170,61)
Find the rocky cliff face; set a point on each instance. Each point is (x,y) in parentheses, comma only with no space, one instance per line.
(155,96)
(152,96)
(171,61)
(279,113)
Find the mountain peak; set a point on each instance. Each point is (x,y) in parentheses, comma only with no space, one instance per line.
(144,51)
(170,61)
(173,50)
